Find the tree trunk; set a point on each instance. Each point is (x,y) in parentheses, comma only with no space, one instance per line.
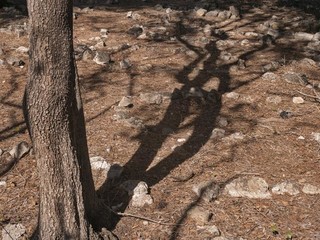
(57,126)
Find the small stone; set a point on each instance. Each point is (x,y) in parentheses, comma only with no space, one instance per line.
(16,62)
(3,183)
(274,99)
(207,190)
(297,100)
(232,95)
(99,163)
(316,136)
(301,138)
(100,44)
(20,150)
(217,133)
(310,189)
(181,140)
(270,76)
(234,11)
(135,30)
(141,200)
(200,215)
(126,102)
(251,187)
(22,49)
(235,136)
(201,12)
(151,98)
(101,58)
(285,187)
(303,36)
(212,230)
(88,55)
(104,32)
(221,121)
(295,78)
(212,14)
(125,64)
(13,231)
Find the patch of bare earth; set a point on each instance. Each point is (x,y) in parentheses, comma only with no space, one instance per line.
(169,144)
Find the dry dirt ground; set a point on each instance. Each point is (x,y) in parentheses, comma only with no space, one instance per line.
(172,148)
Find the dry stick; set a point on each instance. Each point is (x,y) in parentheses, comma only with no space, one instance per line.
(141,217)
(307,95)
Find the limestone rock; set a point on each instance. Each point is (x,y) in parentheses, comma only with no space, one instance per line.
(297,100)
(20,150)
(151,98)
(101,58)
(126,102)
(212,230)
(285,187)
(201,12)
(13,231)
(310,189)
(250,187)
(217,133)
(295,78)
(274,99)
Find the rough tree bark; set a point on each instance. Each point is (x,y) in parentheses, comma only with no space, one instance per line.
(68,201)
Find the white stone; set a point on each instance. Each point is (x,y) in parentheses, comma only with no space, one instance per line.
(125,102)
(310,189)
(285,187)
(22,49)
(217,133)
(3,183)
(180,140)
(274,99)
(13,231)
(20,150)
(141,200)
(297,100)
(99,163)
(270,76)
(233,95)
(301,138)
(251,187)
(201,12)
(316,136)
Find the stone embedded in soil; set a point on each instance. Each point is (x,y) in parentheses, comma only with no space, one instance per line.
(297,100)
(99,163)
(270,76)
(20,150)
(151,98)
(22,49)
(112,170)
(201,12)
(285,187)
(310,189)
(101,58)
(232,95)
(295,78)
(274,99)
(3,183)
(125,64)
(207,190)
(221,121)
(212,230)
(217,133)
(139,192)
(126,102)
(13,231)
(250,187)
(234,137)
(200,215)
(316,136)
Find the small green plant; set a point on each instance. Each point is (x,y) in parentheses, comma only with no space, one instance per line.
(289,235)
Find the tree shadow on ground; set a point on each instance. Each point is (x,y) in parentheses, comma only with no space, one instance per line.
(190,100)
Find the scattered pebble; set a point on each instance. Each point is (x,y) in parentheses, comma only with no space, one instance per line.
(297,100)
(285,187)
(200,215)
(310,189)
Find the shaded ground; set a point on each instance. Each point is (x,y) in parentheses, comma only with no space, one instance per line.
(176,141)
